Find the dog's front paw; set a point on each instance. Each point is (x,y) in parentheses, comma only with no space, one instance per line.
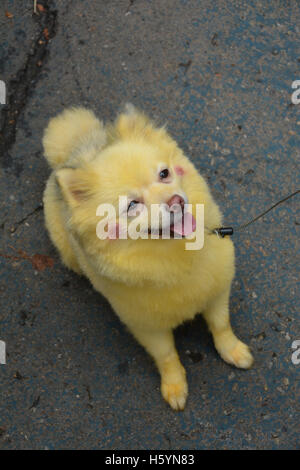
(175,394)
(239,356)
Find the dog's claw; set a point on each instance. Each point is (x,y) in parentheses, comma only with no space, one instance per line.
(175,394)
(240,356)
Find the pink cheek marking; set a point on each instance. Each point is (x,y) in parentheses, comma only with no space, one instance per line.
(113,232)
(179,170)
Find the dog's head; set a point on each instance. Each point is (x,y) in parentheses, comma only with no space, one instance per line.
(141,173)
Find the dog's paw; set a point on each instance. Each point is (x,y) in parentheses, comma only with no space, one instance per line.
(239,356)
(175,394)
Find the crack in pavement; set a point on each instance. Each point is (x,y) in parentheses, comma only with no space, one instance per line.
(34,211)
(24,82)
(131,2)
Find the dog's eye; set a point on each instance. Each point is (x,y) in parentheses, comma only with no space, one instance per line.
(164,174)
(132,204)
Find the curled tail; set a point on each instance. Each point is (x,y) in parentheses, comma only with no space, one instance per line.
(68,131)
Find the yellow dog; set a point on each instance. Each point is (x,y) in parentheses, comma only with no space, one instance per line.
(152,284)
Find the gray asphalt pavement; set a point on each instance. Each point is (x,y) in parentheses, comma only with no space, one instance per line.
(220,74)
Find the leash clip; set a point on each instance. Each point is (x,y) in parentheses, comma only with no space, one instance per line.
(223,231)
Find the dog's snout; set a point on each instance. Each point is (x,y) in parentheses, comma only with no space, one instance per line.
(177,202)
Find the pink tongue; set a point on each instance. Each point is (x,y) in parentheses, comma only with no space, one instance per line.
(186,226)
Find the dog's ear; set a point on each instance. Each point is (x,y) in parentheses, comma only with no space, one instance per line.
(74,185)
(132,122)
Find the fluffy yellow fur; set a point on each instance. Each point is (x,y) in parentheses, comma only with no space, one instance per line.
(153,285)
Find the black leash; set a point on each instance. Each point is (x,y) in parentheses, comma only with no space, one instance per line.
(223,231)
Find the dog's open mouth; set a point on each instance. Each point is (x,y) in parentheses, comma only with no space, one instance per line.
(179,229)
